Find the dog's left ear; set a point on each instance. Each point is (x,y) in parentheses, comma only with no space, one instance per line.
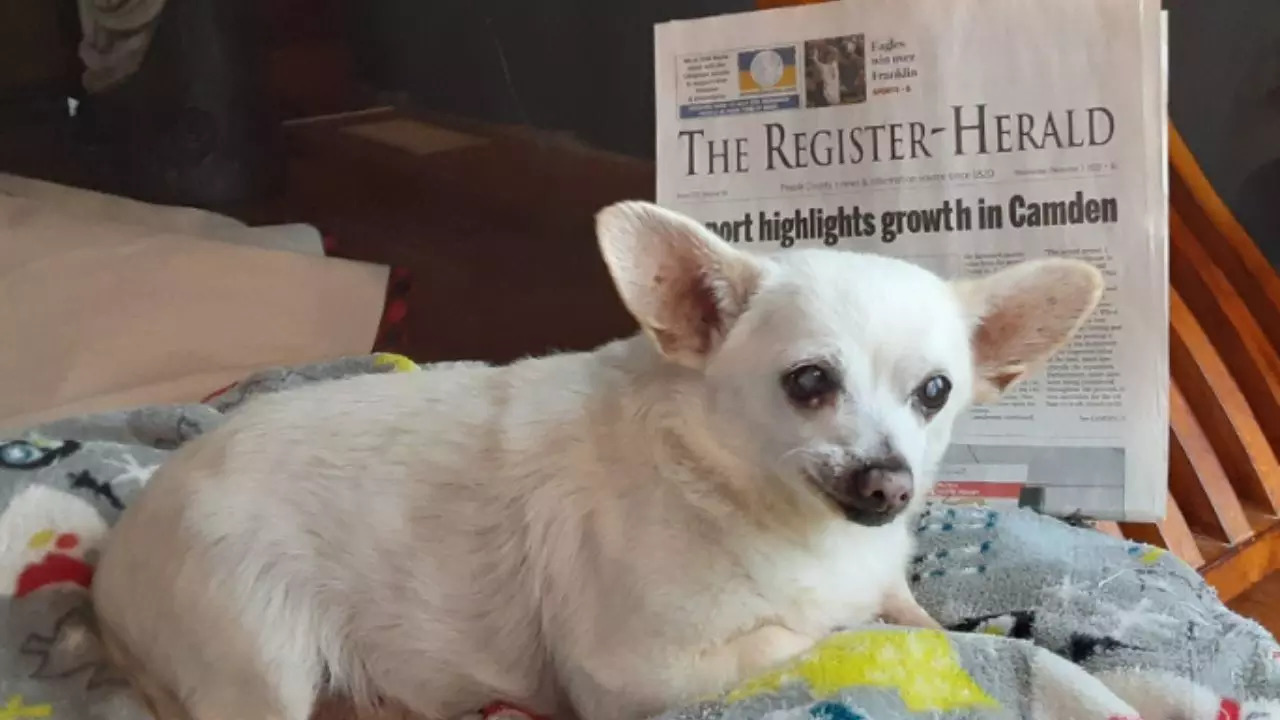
(1024,314)
(681,282)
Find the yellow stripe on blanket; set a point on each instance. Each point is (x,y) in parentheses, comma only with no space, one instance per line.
(1152,556)
(397,363)
(17,709)
(920,664)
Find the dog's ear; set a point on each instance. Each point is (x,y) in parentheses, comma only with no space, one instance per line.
(1023,314)
(681,282)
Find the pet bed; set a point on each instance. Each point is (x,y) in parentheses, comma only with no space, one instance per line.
(1044,620)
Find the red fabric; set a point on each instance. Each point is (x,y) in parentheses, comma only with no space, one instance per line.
(53,569)
(497,708)
(216,393)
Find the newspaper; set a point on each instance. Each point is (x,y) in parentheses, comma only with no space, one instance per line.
(963,135)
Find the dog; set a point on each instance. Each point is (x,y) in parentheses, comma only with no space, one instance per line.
(599,535)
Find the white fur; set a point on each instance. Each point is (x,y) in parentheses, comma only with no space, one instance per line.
(598,534)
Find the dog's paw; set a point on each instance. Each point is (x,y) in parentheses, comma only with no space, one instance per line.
(902,609)
(769,647)
(922,620)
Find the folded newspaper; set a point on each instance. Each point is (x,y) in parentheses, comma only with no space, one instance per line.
(963,135)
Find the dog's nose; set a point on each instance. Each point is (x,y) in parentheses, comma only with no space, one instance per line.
(880,489)
(878,492)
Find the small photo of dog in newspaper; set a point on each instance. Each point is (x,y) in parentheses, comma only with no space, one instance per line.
(835,71)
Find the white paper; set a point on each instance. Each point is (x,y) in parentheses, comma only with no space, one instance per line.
(963,135)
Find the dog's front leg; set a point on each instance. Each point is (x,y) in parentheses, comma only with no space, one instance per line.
(900,608)
(652,687)
(767,647)
(743,657)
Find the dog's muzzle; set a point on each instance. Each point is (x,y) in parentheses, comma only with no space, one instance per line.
(873,493)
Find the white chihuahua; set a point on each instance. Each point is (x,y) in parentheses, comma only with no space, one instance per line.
(597,535)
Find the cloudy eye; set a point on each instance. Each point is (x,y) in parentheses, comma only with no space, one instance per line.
(810,386)
(19,454)
(931,395)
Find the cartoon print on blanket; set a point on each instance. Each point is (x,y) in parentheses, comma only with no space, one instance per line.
(1043,620)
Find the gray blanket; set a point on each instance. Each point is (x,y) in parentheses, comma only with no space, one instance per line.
(1044,620)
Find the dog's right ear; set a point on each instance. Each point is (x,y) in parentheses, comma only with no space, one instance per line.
(681,282)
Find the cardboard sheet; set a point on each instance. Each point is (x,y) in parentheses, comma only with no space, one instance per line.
(96,206)
(98,315)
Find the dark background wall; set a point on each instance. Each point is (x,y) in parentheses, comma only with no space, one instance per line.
(1224,97)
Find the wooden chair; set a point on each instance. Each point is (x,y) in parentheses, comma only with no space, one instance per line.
(1224,478)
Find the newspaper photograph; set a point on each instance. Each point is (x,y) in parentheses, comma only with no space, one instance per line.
(964,136)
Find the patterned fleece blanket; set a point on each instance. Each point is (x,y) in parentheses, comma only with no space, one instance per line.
(1044,620)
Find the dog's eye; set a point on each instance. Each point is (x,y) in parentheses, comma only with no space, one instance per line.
(932,394)
(809,385)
